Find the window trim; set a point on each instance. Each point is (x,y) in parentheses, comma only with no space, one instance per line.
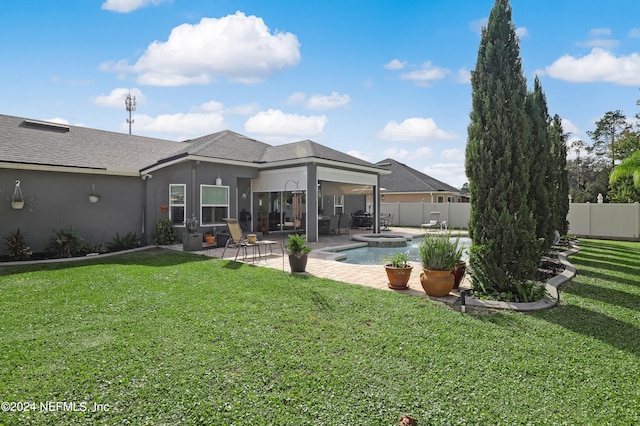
(183,204)
(339,197)
(202,205)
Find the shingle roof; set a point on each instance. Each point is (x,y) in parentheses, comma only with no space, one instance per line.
(308,149)
(227,145)
(32,142)
(405,179)
(41,143)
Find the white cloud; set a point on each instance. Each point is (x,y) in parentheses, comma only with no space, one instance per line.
(297,98)
(237,47)
(477,25)
(453,154)
(126,6)
(395,64)
(211,106)
(324,102)
(464,76)
(596,32)
(413,130)
(246,109)
(318,101)
(396,153)
(115,99)
(522,32)
(568,126)
(187,125)
(451,173)
(599,65)
(276,123)
(604,43)
(426,74)
(634,33)
(358,154)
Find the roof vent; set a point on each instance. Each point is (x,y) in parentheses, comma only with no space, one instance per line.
(45,125)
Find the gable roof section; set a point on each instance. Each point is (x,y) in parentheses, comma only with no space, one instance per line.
(227,145)
(309,149)
(405,179)
(38,143)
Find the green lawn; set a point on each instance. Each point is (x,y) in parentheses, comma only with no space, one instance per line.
(160,337)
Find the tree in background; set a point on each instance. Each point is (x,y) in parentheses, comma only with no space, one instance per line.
(606,136)
(625,180)
(504,253)
(542,175)
(559,191)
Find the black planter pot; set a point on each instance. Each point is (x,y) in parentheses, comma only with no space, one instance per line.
(298,262)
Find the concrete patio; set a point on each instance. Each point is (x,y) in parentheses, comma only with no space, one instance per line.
(321,264)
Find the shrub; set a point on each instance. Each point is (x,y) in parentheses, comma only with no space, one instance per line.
(99,248)
(440,252)
(126,242)
(297,244)
(66,243)
(165,233)
(17,249)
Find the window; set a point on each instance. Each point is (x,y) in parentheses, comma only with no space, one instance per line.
(177,203)
(214,204)
(440,198)
(338,204)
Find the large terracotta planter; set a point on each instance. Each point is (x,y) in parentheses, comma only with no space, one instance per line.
(398,277)
(437,283)
(298,262)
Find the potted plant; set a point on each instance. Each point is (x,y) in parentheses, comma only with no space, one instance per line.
(398,270)
(93,196)
(298,252)
(439,254)
(191,224)
(17,201)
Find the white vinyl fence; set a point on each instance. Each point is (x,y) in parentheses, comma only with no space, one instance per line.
(616,221)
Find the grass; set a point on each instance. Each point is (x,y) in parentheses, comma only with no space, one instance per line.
(174,338)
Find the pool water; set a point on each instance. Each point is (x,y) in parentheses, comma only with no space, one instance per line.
(375,255)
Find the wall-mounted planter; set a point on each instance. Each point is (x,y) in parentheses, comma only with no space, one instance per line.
(17,205)
(164,209)
(94,198)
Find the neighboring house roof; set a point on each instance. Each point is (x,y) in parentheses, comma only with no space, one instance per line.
(36,143)
(405,179)
(41,143)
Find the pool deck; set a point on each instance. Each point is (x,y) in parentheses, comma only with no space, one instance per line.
(321,263)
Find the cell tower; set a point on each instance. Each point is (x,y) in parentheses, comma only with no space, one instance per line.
(130,104)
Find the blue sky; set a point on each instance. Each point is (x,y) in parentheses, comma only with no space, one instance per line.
(374,78)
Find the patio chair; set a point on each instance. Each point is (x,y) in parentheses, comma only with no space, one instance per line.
(343,223)
(239,241)
(334,223)
(434,221)
(236,238)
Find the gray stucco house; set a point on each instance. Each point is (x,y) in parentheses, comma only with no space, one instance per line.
(141,180)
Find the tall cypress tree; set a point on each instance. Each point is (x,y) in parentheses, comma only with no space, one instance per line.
(498,162)
(542,175)
(560,190)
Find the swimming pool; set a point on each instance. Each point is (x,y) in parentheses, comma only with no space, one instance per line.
(374,255)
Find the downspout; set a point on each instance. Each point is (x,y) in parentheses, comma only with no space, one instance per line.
(193,189)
